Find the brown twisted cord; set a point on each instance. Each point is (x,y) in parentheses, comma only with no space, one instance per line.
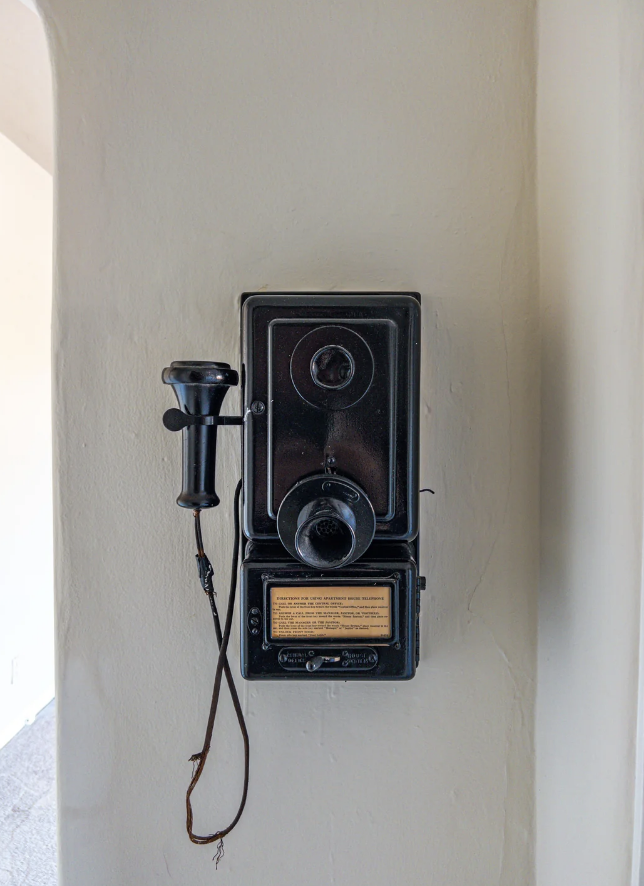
(223,667)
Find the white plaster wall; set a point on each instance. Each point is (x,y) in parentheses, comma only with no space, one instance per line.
(590,163)
(209,148)
(25,82)
(26,549)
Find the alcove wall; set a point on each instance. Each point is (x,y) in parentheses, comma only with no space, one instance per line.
(204,149)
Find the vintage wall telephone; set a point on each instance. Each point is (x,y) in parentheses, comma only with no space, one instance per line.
(329,580)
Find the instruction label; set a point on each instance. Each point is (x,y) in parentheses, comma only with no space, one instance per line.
(318,612)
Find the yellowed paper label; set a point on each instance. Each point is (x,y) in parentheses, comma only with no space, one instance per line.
(319,612)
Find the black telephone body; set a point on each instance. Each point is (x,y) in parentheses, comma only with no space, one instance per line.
(329,580)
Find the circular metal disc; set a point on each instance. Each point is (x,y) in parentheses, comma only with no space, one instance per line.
(330,342)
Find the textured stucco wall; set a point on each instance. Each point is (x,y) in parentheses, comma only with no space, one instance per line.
(209,148)
(591,193)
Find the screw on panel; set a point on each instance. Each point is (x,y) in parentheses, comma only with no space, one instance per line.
(257,407)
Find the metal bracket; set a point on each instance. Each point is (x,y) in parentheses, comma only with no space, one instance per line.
(176,420)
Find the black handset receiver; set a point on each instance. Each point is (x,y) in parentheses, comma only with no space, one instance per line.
(330,588)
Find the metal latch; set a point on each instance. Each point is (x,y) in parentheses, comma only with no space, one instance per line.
(314,663)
